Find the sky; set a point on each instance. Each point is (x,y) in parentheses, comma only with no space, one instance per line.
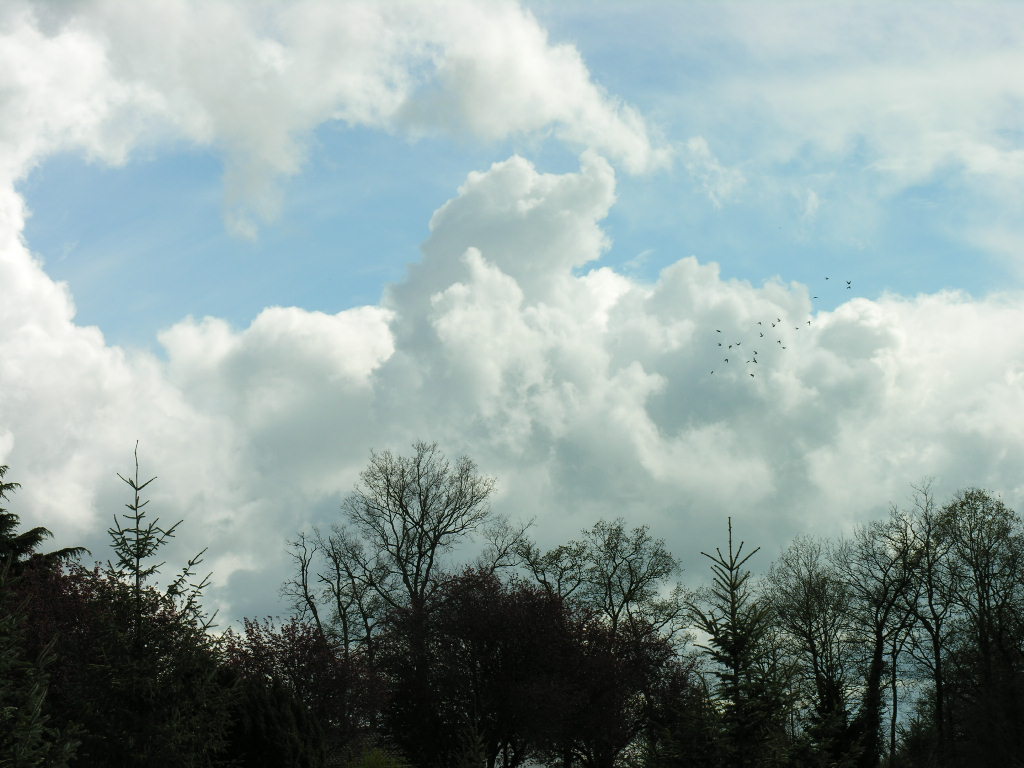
(264,239)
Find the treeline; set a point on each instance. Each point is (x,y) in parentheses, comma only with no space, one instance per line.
(900,645)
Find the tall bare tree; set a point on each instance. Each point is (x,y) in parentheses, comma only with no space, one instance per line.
(879,569)
(811,604)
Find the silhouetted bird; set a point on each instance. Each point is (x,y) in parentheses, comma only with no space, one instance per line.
(730,346)
(814,297)
(751,375)
(717,331)
(762,335)
(826,277)
(759,322)
(848,284)
(727,359)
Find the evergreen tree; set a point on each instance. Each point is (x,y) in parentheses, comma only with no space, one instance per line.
(27,739)
(17,548)
(738,623)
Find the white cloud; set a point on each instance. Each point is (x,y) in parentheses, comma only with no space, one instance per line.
(595,399)
(586,392)
(863,102)
(254,80)
(718,182)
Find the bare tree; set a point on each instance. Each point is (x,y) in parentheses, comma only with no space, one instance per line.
(879,565)
(811,604)
(301,589)
(347,589)
(622,575)
(409,512)
(931,604)
(560,571)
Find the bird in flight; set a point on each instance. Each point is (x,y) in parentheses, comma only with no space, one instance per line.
(848,284)
(717,330)
(826,277)
(762,335)
(751,375)
(727,359)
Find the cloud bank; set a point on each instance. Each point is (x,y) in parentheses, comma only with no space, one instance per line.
(588,393)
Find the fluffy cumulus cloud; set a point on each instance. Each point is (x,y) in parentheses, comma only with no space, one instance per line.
(587,393)
(253,81)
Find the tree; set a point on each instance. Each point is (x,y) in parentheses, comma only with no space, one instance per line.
(879,565)
(932,605)
(617,582)
(737,623)
(17,548)
(811,604)
(383,567)
(619,574)
(499,657)
(986,663)
(684,725)
(135,664)
(27,739)
(312,704)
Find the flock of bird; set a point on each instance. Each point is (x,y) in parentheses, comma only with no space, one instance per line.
(772,326)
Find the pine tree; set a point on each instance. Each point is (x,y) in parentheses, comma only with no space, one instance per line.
(17,548)
(26,738)
(738,624)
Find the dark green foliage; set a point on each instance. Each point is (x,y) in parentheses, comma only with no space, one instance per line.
(738,625)
(135,667)
(17,548)
(401,663)
(271,727)
(684,726)
(27,739)
(337,696)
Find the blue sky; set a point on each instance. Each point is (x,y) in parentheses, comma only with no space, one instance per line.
(309,230)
